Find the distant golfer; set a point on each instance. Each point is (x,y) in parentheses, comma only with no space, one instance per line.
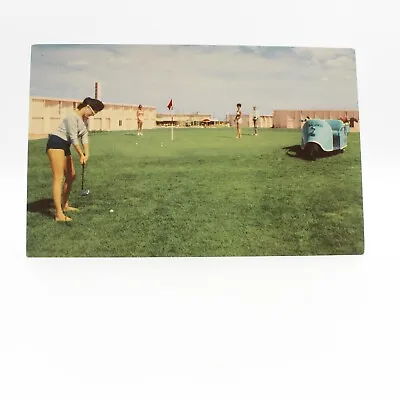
(303,121)
(255,120)
(345,120)
(352,121)
(73,128)
(238,121)
(140,117)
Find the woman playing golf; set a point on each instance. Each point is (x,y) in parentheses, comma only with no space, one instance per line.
(72,130)
(139,117)
(238,121)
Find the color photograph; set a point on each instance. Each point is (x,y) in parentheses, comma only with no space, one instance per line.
(193,151)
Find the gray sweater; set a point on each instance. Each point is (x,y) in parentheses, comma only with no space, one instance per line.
(73,128)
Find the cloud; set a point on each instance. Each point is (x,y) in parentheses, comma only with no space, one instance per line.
(77,63)
(209,79)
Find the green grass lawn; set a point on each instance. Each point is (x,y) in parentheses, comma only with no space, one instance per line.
(203,194)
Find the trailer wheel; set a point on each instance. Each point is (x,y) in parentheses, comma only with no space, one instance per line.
(312,149)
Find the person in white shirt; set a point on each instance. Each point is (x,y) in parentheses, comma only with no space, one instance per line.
(255,120)
(72,130)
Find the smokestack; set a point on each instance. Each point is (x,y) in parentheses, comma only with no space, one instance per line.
(97,90)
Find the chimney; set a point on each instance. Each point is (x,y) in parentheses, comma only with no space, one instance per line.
(96,90)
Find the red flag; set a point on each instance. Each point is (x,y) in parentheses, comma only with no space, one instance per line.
(170,105)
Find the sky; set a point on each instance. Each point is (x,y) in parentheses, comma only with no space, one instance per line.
(205,79)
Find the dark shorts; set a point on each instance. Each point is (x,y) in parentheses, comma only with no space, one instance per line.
(55,142)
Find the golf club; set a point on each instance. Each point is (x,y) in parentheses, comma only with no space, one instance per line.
(84,192)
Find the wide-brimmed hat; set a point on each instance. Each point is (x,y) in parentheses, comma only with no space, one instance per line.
(95,104)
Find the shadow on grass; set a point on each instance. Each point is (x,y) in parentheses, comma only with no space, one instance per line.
(43,206)
(297,152)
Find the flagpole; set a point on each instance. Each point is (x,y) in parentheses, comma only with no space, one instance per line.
(171,108)
(172,125)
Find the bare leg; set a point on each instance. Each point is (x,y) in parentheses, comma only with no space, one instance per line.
(69,173)
(57,161)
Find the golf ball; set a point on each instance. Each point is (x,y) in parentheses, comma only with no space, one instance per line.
(111,210)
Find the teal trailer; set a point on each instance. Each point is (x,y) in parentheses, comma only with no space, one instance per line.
(323,136)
